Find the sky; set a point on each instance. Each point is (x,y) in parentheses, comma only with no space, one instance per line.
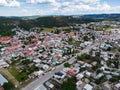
(58,7)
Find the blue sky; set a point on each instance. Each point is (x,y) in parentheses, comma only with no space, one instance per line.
(57,7)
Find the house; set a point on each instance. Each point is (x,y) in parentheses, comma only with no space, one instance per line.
(79,76)
(32,47)
(3,80)
(79,85)
(87,74)
(5,40)
(115,74)
(54,60)
(71,72)
(37,60)
(49,84)
(59,75)
(87,87)
(105,46)
(106,86)
(45,66)
(94,63)
(104,55)
(117,86)
(76,65)
(41,87)
(27,52)
(76,69)
(99,76)
(81,62)
(38,73)
(3,64)
(87,43)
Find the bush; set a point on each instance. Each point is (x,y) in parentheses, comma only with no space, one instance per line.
(67,64)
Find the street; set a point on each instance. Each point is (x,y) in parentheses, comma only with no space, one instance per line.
(49,74)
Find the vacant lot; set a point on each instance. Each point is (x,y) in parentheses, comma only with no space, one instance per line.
(20,76)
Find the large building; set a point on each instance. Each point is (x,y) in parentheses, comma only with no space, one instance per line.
(3,80)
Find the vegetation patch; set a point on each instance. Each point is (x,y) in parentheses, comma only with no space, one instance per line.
(20,76)
(70,84)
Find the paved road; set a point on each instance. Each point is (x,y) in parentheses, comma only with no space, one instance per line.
(48,75)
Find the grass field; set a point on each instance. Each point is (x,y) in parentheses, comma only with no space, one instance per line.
(54,28)
(48,29)
(19,76)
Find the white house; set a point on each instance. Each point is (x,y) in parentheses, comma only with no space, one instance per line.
(87,87)
(3,64)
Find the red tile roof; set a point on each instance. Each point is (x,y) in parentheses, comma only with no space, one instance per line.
(32,46)
(58,57)
(71,72)
(5,39)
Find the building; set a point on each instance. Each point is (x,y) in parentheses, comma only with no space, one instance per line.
(3,64)
(117,86)
(88,87)
(41,87)
(2,80)
(49,85)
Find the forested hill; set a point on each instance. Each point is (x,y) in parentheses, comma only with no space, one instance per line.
(7,23)
(49,21)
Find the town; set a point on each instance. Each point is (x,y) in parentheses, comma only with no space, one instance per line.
(81,57)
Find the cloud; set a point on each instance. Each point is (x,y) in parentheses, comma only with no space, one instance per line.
(13,3)
(65,7)
(25,11)
(83,6)
(10,3)
(60,7)
(40,1)
(3,3)
(87,1)
(74,7)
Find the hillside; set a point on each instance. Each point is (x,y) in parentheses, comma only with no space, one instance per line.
(7,23)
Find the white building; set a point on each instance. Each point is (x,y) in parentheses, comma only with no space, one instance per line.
(88,87)
(2,80)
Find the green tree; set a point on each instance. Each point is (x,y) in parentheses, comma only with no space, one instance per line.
(85,38)
(83,56)
(26,62)
(93,37)
(66,64)
(70,40)
(8,86)
(70,84)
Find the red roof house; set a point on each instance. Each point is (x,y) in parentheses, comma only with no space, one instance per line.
(71,72)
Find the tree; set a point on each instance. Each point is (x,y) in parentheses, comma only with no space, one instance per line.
(70,84)
(109,49)
(100,80)
(93,37)
(66,64)
(26,62)
(85,38)
(8,86)
(113,79)
(70,40)
(83,56)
